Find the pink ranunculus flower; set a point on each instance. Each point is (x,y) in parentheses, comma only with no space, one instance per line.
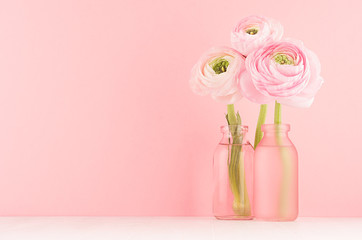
(284,71)
(253,32)
(217,73)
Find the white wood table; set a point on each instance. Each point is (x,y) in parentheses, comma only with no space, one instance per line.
(172,228)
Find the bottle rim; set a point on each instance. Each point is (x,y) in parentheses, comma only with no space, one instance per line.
(282,127)
(240,128)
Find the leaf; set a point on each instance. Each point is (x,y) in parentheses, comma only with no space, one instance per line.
(238,118)
(227,119)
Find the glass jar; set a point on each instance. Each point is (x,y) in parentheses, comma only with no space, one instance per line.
(233,175)
(276,175)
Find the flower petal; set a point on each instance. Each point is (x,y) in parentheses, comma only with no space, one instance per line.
(221,86)
(269,30)
(297,101)
(250,92)
(293,84)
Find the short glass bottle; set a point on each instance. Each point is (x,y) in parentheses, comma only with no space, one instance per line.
(233,175)
(276,175)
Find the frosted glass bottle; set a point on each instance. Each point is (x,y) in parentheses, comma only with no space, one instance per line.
(276,175)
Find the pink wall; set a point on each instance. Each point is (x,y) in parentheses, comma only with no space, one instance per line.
(98,119)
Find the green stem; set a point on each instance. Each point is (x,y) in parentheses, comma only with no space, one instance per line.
(261,121)
(241,204)
(277,113)
(232,119)
(285,159)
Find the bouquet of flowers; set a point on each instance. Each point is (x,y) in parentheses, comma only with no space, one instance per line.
(263,67)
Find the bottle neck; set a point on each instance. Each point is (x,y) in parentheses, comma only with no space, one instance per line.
(275,129)
(234,134)
(275,135)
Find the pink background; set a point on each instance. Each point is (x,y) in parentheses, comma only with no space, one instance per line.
(97,117)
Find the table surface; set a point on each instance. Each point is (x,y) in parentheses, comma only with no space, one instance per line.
(172,228)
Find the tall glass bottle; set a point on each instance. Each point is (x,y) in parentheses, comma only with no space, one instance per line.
(233,175)
(276,175)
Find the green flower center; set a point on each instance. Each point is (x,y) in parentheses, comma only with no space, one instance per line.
(219,65)
(283,59)
(252,31)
